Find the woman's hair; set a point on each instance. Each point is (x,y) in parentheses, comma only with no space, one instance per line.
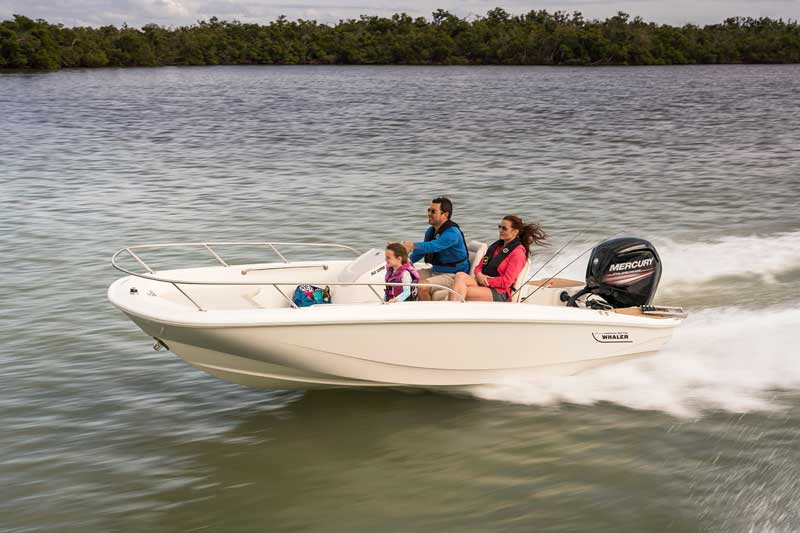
(400,251)
(529,234)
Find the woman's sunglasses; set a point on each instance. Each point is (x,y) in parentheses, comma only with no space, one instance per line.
(503,228)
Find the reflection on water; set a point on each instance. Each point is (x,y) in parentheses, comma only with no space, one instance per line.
(369,460)
(101,433)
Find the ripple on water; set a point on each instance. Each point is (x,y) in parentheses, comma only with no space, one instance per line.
(100,433)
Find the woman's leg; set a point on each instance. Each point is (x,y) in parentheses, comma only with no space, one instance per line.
(479,294)
(461,283)
(468,288)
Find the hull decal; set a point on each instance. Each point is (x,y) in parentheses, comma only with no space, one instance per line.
(614,337)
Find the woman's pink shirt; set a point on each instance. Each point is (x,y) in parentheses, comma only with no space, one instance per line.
(508,270)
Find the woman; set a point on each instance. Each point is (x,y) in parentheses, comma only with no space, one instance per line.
(504,260)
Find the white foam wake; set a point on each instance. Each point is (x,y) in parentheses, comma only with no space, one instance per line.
(694,263)
(728,359)
(762,256)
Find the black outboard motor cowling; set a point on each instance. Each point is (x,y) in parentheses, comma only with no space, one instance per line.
(625,272)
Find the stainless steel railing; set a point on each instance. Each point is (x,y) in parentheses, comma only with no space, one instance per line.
(207,246)
(177,282)
(371,285)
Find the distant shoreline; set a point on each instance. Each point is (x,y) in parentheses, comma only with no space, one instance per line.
(535,38)
(342,65)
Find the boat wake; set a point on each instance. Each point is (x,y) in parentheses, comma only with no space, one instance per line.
(762,257)
(728,359)
(689,264)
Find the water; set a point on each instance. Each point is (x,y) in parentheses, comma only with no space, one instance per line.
(101,433)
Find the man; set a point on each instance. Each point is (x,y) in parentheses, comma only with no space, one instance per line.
(444,248)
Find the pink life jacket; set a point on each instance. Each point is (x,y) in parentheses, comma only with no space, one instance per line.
(396,276)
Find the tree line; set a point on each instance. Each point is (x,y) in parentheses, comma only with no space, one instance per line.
(499,38)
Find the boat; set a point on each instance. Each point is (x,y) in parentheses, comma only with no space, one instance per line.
(239,322)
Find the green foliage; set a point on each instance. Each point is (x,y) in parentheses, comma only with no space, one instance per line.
(500,38)
(25,43)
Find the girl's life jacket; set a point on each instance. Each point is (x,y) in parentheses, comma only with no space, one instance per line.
(396,276)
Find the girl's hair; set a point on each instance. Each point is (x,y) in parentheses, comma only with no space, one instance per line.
(529,234)
(400,251)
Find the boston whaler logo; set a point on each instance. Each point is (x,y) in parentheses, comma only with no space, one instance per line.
(377,270)
(612,336)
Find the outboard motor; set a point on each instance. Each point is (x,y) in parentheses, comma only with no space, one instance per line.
(624,272)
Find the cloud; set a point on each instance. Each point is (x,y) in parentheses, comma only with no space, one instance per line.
(169,8)
(181,12)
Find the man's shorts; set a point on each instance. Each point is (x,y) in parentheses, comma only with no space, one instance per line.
(445,280)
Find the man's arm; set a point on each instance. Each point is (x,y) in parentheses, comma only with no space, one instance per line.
(414,254)
(446,240)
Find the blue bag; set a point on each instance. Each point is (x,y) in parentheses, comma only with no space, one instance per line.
(308,295)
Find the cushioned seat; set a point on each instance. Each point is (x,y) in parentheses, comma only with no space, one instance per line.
(521,279)
(476,251)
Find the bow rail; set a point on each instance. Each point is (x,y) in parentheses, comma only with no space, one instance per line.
(151,275)
(208,245)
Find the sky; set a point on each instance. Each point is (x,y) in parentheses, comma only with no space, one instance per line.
(136,13)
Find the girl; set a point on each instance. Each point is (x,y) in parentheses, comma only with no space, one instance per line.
(399,270)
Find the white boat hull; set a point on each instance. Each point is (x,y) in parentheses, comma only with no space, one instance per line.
(236,323)
(386,350)
(262,375)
